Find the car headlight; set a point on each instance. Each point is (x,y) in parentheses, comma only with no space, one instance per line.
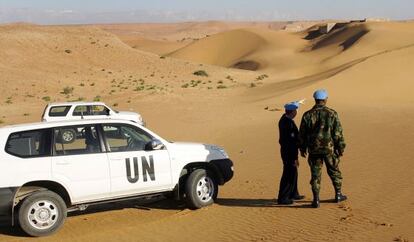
(218,149)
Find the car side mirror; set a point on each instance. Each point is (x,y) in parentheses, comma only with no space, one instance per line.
(154,145)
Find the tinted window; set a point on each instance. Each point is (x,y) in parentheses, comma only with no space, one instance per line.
(76,140)
(35,143)
(125,138)
(99,110)
(82,110)
(59,111)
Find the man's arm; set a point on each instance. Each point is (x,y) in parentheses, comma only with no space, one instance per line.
(283,132)
(338,137)
(303,130)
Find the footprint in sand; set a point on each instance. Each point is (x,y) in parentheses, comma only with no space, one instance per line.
(346,218)
(400,239)
(345,207)
(383,224)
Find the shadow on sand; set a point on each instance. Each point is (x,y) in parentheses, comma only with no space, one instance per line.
(167,204)
(158,202)
(12,231)
(251,202)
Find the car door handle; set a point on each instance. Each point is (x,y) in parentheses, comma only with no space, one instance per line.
(62,162)
(117,159)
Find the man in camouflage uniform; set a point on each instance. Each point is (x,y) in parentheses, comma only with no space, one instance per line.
(321,136)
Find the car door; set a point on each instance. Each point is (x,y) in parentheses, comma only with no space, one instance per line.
(80,163)
(134,167)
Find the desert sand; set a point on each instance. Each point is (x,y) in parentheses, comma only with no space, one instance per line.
(367,69)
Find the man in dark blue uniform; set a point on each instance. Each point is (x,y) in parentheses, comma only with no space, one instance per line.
(288,140)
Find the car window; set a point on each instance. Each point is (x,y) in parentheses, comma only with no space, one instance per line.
(81,110)
(125,138)
(59,111)
(99,110)
(76,140)
(35,143)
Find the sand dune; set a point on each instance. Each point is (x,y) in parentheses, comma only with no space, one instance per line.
(221,49)
(160,47)
(186,30)
(166,38)
(366,68)
(296,55)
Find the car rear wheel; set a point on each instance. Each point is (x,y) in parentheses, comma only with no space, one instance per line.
(68,136)
(42,213)
(201,189)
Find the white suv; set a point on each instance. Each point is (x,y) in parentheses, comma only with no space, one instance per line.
(86,110)
(43,177)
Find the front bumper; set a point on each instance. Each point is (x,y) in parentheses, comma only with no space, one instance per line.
(224,168)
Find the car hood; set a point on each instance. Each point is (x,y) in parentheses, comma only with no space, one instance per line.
(136,117)
(186,151)
(126,113)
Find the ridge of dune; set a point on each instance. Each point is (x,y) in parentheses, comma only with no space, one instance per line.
(168,37)
(160,47)
(342,35)
(46,46)
(276,50)
(295,55)
(182,31)
(328,55)
(222,49)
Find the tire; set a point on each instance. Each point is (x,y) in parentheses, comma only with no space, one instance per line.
(201,189)
(42,213)
(68,136)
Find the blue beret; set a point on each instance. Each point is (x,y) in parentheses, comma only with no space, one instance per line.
(292,106)
(320,94)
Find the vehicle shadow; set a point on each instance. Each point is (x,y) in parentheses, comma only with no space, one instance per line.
(12,231)
(167,204)
(158,202)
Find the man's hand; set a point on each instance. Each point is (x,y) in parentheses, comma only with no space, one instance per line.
(296,163)
(303,154)
(338,153)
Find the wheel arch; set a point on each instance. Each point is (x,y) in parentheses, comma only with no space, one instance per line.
(30,187)
(187,169)
(34,186)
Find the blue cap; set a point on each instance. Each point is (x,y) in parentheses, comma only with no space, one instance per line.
(292,106)
(320,94)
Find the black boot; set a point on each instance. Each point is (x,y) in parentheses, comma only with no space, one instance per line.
(339,197)
(315,202)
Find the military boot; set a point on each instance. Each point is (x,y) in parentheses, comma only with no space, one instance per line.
(315,202)
(339,197)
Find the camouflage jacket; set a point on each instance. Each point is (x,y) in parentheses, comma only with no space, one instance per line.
(320,132)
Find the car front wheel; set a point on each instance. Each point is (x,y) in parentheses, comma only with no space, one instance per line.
(42,213)
(201,189)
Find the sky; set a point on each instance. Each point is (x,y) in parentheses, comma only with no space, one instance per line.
(124,11)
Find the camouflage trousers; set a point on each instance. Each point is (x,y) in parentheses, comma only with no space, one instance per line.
(332,166)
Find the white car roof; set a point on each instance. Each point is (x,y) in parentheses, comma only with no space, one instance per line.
(75,103)
(44,125)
